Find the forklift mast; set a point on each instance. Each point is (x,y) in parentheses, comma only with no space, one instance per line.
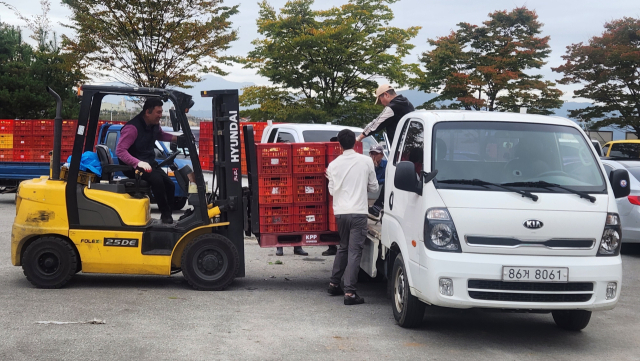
(226,165)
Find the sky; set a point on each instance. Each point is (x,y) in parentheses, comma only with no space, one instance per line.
(565,21)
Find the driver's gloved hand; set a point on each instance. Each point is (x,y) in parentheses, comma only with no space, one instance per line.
(145,166)
(182,141)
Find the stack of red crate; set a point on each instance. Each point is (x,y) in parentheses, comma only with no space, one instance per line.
(69,128)
(22,132)
(6,140)
(275,188)
(205,144)
(309,187)
(333,152)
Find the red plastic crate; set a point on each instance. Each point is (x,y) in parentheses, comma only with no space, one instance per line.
(40,155)
(333,224)
(22,142)
(276,228)
(6,155)
(275,189)
(6,126)
(206,130)
(310,218)
(273,158)
(22,127)
(43,127)
(270,216)
(309,157)
(22,155)
(309,188)
(206,148)
(69,128)
(41,141)
(206,163)
(334,150)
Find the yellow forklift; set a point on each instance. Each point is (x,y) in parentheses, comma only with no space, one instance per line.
(79,222)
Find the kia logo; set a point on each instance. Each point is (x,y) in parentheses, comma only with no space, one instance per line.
(532,224)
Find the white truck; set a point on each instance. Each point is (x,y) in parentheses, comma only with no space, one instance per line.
(497,210)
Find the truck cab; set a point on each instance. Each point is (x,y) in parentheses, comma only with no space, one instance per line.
(503,211)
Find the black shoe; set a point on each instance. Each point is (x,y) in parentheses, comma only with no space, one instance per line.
(353,300)
(331,251)
(167,220)
(299,251)
(374,211)
(279,251)
(335,290)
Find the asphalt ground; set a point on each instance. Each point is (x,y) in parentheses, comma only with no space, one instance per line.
(279,312)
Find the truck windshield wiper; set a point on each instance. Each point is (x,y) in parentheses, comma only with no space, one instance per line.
(543,184)
(479,182)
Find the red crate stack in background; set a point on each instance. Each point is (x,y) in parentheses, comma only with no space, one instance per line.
(69,128)
(275,186)
(6,126)
(310,187)
(205,144)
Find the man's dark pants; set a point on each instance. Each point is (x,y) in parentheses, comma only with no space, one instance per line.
(352,229)
(162,188)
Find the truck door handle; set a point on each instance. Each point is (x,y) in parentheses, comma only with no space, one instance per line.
(391,201)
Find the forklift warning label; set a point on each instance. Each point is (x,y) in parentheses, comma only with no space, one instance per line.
(121,242)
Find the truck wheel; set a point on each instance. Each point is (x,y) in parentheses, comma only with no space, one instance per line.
(572,320)
(210,262)
(49,262)
(179,203)
(408,310)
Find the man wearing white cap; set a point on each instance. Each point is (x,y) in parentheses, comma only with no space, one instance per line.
(396,106)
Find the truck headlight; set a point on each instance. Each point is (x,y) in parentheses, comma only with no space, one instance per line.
(440,232)
(611,236)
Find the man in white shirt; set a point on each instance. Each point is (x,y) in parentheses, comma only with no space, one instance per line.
(350,176)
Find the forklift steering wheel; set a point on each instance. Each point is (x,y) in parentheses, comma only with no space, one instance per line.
(169,160)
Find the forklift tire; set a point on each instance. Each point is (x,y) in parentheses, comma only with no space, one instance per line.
(408,310)
(179,203)
(49,262)
(210,262)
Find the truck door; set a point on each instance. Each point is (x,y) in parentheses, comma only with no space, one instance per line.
(407,208)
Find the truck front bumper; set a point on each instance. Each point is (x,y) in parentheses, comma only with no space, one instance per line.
(494,293)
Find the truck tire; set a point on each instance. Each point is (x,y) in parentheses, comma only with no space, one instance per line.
(179,203)
(572,320)
(408,310)
(210,262)
(49,262)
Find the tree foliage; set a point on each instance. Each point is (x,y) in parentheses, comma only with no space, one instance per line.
(151,43)
(608,68)
(485,67)
(322,61)
(25,71)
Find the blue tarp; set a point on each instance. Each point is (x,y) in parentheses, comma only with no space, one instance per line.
(89,161)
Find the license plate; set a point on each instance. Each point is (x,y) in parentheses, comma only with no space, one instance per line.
(535,274)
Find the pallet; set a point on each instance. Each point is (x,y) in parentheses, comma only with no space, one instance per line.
(324,238)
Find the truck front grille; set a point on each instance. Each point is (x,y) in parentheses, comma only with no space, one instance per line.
(530,291)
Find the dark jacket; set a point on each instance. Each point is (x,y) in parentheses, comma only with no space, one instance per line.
(390,116)
(144,145)
(380,170)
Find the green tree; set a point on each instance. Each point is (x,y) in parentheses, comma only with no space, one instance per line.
(25,71)
(322,62)
(157,43)
(608,68)
(484,67)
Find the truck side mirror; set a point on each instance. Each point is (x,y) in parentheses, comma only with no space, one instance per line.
(406,178)
(619,179)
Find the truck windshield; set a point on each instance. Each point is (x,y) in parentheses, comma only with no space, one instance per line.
(514,154)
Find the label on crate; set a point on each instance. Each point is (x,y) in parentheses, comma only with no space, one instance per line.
(309,190)
(275,161)
(308,159)
(275,190)
(311,218)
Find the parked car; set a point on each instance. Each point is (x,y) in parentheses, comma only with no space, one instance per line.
(622,149)
(629,207)
(300,133)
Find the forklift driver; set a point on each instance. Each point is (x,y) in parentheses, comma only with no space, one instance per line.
(136,148)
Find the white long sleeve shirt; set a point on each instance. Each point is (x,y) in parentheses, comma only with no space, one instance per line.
(351,175)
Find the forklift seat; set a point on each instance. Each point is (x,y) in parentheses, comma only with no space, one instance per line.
(108,168)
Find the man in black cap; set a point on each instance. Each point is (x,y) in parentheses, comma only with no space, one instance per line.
(396,106)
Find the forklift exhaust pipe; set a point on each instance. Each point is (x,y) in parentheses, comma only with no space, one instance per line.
(57,136)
